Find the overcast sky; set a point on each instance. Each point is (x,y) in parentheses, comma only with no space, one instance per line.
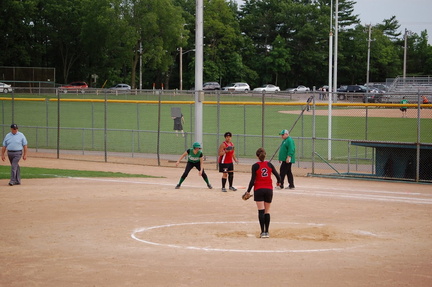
(414,15)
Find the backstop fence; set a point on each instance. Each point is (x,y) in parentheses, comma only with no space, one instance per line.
(346,138)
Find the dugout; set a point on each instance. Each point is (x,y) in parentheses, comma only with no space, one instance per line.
(399,160)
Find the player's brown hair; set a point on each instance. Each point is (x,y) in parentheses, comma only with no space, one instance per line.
(261,153)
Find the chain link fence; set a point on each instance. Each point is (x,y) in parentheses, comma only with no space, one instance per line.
(348,138)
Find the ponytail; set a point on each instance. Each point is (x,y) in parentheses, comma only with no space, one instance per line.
(261,153)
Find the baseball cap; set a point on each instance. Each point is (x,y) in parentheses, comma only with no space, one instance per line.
(227,134)
(284,132)
(14,126)
(196,145)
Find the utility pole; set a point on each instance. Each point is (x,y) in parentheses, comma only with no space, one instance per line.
(368,54)
(140,60)
(181,68)
(199,66)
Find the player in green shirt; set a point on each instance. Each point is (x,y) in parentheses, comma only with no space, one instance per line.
(195,159)
(404,109)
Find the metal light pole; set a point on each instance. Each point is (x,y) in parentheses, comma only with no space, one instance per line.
(368,56)
(140,73)
(336,31)
(405,52)
(181,69)
(330,75)
(199,93)
(181,65)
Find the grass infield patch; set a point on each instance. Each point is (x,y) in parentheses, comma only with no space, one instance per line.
(36,172)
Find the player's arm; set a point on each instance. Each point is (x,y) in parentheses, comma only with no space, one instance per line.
(181,157)
(221,150)
(254,168)
(235,157)
(275,173)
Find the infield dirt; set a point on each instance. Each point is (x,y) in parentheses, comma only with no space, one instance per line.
(143,232)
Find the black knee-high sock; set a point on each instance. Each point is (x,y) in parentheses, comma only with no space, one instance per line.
(266,222)
(261,219)
(230,178)
(223,182)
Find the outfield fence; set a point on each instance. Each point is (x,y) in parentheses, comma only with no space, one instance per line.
(345,139)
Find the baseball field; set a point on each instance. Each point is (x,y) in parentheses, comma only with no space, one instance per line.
(142,232)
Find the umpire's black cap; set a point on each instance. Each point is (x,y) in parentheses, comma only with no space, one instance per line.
(14,126)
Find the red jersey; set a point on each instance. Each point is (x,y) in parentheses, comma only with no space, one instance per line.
(228,156)
(263,176)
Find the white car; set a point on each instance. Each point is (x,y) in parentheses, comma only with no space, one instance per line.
(121,87)
(267,88)
(237,87)
(299,89)
(5,88)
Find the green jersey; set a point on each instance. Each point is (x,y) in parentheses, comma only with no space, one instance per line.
(192,157)
(287,149)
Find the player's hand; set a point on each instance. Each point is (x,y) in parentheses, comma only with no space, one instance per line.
(177,163)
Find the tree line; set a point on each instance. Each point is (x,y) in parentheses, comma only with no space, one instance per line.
(283,42)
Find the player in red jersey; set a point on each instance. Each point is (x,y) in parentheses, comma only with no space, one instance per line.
(262,183)
(226,162)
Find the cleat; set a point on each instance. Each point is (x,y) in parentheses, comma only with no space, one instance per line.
(177,186)
(209,186)
(279,187)
(232,188)
(290,187)
(264,235)
(224,189)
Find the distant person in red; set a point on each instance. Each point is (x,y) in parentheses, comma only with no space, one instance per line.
(262,183)
(226,161)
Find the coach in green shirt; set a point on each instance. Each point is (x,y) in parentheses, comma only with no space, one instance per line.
(286,158)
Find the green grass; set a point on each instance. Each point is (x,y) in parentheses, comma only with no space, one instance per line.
(82,124)
(35,172)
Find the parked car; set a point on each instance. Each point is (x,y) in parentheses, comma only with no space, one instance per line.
(237,87)
(374,95)
(5,88)
(211,86)
(267,88)
(73,87)
(299,89)
(381,87)
(121,87)
(373,98)
(344,90)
